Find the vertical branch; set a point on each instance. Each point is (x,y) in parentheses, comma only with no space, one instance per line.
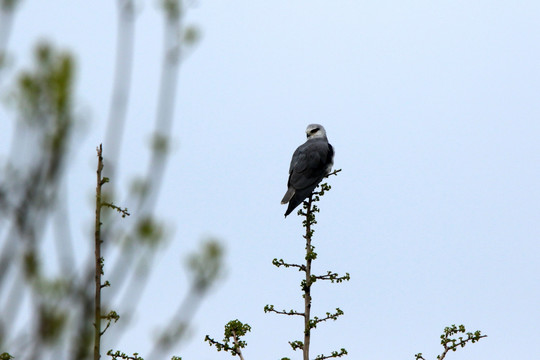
(147,195)
(173,13)
(307,285)
(309,322)
(43,95)
(122,83)
(99,267)
(7,9)
(146,230)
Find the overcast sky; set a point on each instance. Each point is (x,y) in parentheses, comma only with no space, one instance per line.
(433,108)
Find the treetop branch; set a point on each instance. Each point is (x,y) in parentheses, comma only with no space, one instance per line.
(334,354)
(333,277)
(280,262)
(270,308)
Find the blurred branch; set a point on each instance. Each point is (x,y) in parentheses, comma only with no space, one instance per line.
(29,191)
(122,83)
(7,10)
(63,238)
(161,140)
(206,268)
(43,96)
(146,229)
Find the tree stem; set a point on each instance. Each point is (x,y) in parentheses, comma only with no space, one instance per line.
(307,288)
(99,267)
(238,351)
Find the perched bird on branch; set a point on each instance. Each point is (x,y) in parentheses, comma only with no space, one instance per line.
(310,163)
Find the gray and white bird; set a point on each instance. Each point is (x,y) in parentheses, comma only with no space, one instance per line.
(310,163)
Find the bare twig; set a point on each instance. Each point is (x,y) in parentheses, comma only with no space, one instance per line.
(333,173)
(280,262)
(333,277)
(329,316)
(270,308)
(334,354)
(122,83)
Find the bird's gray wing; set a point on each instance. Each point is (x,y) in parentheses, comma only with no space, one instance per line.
(309,164)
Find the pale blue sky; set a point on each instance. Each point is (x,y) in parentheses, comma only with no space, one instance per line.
(433,109)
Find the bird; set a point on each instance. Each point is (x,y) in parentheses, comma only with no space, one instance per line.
(310,163)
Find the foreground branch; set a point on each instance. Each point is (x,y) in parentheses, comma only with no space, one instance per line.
(98,258)
(112,315)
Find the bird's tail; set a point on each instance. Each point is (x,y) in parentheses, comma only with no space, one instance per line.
(298,197)
(288,195)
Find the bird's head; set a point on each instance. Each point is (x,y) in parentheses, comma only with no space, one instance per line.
(315,131)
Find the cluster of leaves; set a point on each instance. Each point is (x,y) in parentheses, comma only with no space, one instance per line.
(451,343)
(232,341)
(116,355)
(120,355)
(333,354)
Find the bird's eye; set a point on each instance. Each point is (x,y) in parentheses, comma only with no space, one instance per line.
(314,130)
